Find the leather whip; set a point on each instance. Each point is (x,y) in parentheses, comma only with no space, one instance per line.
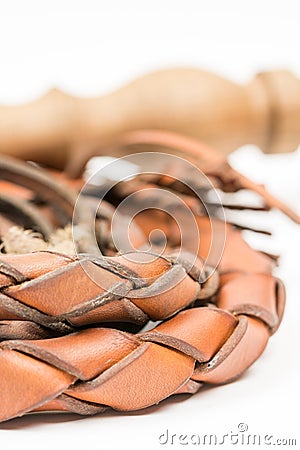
(82,331)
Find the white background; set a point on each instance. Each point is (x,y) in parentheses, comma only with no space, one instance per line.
(92,47)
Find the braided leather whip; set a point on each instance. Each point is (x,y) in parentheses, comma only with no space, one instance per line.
(71,344)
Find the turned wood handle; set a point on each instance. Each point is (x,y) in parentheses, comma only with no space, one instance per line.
(59,128)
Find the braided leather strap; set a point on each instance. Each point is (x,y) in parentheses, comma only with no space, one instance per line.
(78,345)
(133,289)
(128,291)
(96,368)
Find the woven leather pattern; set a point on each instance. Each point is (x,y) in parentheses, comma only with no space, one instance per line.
(125,293)
(96,368)
(81,346)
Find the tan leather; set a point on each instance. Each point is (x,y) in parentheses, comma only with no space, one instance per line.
(80,301)
(72,344)
(107,367)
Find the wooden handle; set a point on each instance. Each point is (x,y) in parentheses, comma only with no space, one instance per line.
(59,128)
